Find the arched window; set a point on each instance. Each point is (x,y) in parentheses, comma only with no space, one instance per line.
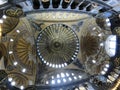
(110,45)
(3,2)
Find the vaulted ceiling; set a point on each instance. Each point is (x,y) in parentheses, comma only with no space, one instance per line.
(59,44)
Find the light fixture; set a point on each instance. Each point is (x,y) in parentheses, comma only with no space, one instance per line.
(62,65)
(52,77)
(59,66)
(106,69)
(75,77)
(107,20)
(73,74)
(108,24)
(72,58)
(53,81)
(77,44)
(50,64)
(70,79)
(39,37)
(38,50)
(100,34)
(58,81)
(11,40)
(62,75)
(42,59)
(10,52)
(58,76)
(10,79)
(4,16)
(103,72)
(38,53)
(23,70)
(1,21)
(67,75)
(38,41)
(65,64)
(76,52)
(56,66)
(94,61)
(53,65)
(64,80)
(21,87)
(80,76)
(107,65)
(47,82)
(13,83)
(45,61)
(30,82)
(101,44)
(15,63)
(94,28)
(18,31)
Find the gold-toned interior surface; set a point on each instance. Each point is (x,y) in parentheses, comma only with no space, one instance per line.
(23,46)
(59,44)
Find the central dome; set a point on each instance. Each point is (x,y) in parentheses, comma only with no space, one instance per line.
(57,45)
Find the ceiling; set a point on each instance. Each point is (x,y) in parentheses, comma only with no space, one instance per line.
(59,44)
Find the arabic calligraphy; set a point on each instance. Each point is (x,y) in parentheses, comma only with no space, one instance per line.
(14,12)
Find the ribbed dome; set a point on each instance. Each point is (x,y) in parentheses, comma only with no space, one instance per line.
(57,45)
(9,24)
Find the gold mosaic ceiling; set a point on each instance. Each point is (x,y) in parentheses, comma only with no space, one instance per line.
(58,44)
(21,43)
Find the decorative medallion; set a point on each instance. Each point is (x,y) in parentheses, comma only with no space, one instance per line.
(14,12)
(57,45)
